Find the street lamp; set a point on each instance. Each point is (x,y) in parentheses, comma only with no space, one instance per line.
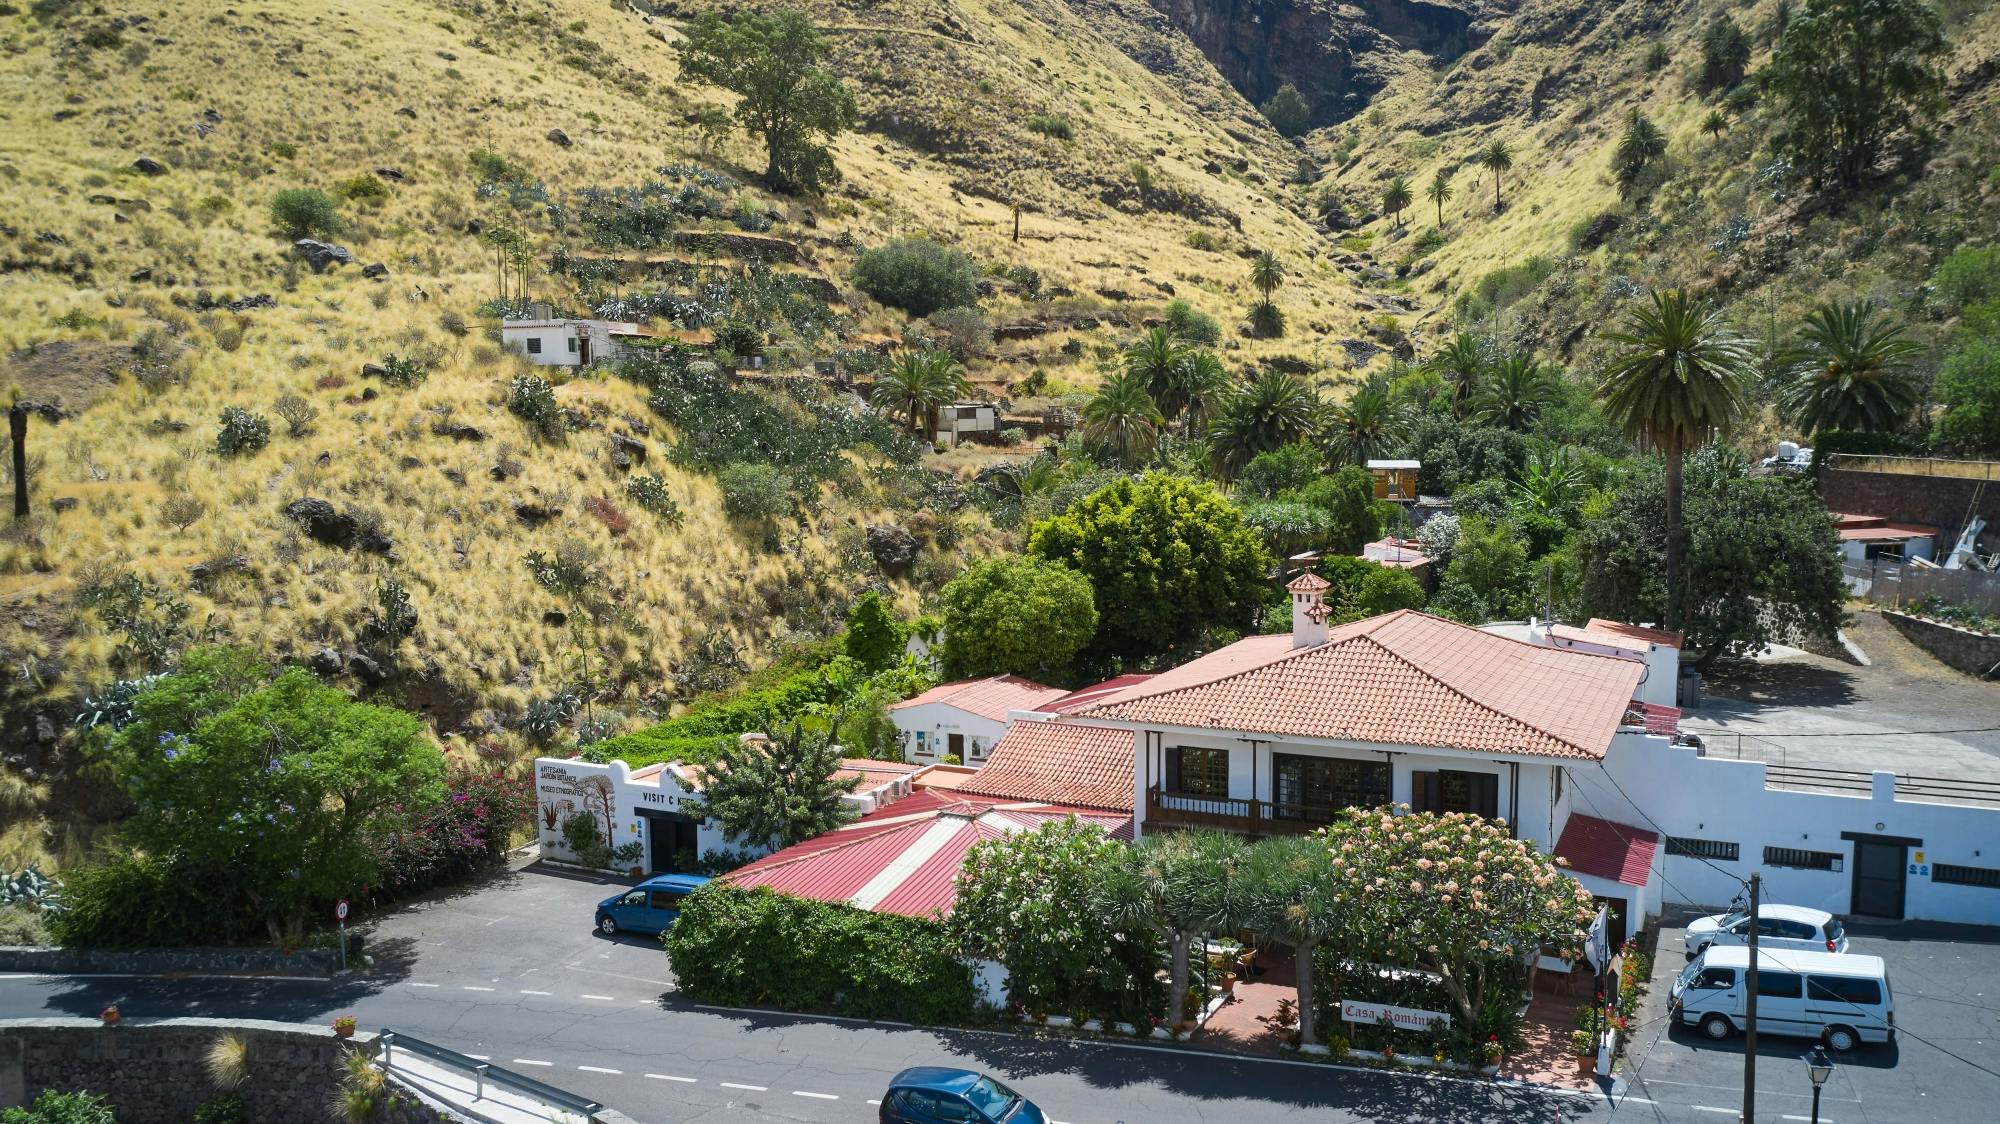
(1819,1067)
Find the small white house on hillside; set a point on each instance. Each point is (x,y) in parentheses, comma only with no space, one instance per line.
(965,718)
(570,343)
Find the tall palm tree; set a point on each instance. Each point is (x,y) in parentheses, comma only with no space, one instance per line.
(1395,197)
(1267,272)
(1159,362)
(1678,378)
(1716,123)
(1204,390)
(1270,410)
(1364,427)
(1439,191)
(1640,145)
(1122,415)
(1849,370)
(919,382)
(1498,158)
(1515,393)
(1462,363)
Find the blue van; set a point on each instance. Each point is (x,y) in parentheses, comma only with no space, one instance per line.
(649,907)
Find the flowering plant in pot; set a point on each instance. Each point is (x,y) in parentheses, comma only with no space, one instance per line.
(110,1015)
(1490,1050)
(343,1027)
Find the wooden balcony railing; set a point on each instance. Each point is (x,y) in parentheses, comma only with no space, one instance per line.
(1248,817)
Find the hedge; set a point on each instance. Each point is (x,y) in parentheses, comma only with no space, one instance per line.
(697,735)
(758,948)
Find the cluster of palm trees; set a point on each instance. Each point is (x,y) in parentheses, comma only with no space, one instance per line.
(917,384)
(1398,195)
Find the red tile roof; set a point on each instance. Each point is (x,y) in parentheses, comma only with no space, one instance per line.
(1308,582)
(1658,636)
(1608,850)
(1087,766)
(1097,693)
(1404,678)
(873,773)
(988,698)
(905,858)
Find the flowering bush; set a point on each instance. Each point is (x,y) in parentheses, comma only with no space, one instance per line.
(451,839)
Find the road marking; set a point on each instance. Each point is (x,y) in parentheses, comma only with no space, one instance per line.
(530,1061)
(1724,1111)
(600,1069)
(1808,1119)
(874,1102)
(525,991)
(480,1057)
(426,985)
(606,998)
(814,1096)
(752,1088)
(469,987)
(671,1077)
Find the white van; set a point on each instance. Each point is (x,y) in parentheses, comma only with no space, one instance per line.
(1841,998)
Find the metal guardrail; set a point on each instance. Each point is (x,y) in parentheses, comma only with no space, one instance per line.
(1908,786)
(484,1072)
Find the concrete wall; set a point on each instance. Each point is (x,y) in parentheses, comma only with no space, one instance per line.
(558,342)
(170,961)
(936,722)
(1975,653)
(1672,789)
(1941,501)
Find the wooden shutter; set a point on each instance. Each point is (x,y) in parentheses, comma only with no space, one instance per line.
(1173,756)
(1425,795)
(1485,791)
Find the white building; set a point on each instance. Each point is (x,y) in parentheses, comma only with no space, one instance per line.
(960,420)
(570,343)
(1657,648)
(1865,537)
(965,718)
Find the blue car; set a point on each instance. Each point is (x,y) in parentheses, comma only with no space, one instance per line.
(649,907)
(931,1094)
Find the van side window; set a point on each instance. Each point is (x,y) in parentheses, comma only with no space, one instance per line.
(667,899)
(1840,989)
(1716,979)
(1778,985)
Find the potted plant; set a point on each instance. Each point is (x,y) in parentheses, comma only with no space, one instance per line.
(110,1015)
(1490,1052)
(1389,1053)
(1584,1045)
(343,1027)
(1228,983)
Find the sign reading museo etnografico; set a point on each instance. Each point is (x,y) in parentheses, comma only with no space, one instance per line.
(1402,1018)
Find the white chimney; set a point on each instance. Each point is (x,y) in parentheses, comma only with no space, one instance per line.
(1309,611)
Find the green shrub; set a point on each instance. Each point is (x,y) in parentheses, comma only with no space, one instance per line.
(650,493)
(917,275)
(130,900)
(54,1107)
(242,432)
(305,212)
(1287,111)
(1970,275)
(22,924)
(533,400)
(1191,325)
(226,1109)
(363,188)
(399,371)
(1267,320)
(754,491)
(1052,125)
(759,948)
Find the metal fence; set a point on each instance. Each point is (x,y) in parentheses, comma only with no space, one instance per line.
(1893,584)
(484,1073)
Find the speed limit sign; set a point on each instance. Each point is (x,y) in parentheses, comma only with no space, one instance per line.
(340,910)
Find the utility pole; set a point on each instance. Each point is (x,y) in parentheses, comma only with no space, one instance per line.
(1750,1011)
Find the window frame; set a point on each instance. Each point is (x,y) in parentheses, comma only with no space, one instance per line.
(534,345)
(1766,975)
(1212,774)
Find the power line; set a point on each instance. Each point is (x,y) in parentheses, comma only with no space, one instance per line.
(1664,833)
(1662,869)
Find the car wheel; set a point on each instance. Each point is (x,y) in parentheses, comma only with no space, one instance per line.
(607,926)
(1841,1039)
(1717,1027)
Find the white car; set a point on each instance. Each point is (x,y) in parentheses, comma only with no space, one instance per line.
(1778,926)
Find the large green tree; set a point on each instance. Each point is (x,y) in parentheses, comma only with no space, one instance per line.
(1159,363)
(1848,75)
(919,382)
(789,99)
(1176,884)
(284,782)
(779,792)
(874,637)
(1968,385)
(1287,111)
(1363,428)
(1849,369)
(1168,558)
(1282,893)
(1677,379)
(1018,615)
(1514,393)
(1269,412)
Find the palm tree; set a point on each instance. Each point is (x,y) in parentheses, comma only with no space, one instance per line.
(1497,157)
(1716,123)
(1849,370)
(1270,410)
(1678,378)
(1177,884)
(1515,393)
(1395,197)
(1267,272)
(1122,415)
(1204,390)
(1641,144)
(1159,362)
(1364,427)
(1462,363)
(1439,191)
(918,383)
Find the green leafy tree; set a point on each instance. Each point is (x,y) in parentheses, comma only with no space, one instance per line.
(917,275)
(1551,484)
(1725,55)
(1850,369)
(1380,590)
(1677,379)
(1440,191)
(1968,385)
(1270,411)
(918,383)
(1347,496)
(1396,197)
(286,783)
(1191,325)
(1169,560)
(1175,884)
(1850,74)
(1639,148)
(1287,111)
(1515,393)
(874,637)
(777,792)
(1281,891)
(1204,391)
(1284,469)
(1121,417)
(1497,157)
(1457,895)
(1487,576)
(1017,615)
(754,490)
(789,99)
(305,212)
(1462,362)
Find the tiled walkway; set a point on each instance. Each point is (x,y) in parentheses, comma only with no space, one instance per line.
(1544,1056)
(1246,1023)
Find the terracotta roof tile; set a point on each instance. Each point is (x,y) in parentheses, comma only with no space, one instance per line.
(1097,693)
(1061,762)
(1404,678)
(988,698)
(1658,636)
(1308,582)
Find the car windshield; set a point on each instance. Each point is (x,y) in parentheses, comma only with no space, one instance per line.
(1689,973)
(1728,919)
(991,1097)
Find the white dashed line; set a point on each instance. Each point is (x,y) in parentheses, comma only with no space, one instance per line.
(469,987)
(751,1088)
(1724,1111)
(525,991)
(671,1077)
(606,998)
(874,1102)
(815,1096)
(599,1069)
(425,985)
(480,1057)
(530,1061)
(1808,1119)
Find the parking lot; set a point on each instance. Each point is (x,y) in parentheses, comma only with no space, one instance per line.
(1943,1067)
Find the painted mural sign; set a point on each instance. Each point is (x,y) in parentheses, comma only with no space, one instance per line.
(563,792)
(1402,1018)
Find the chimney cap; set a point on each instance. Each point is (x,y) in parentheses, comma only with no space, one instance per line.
(1308,582)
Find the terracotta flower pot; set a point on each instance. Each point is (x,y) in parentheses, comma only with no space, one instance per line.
(110,1016)
(343,1031)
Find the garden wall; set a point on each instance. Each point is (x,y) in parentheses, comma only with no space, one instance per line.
(172,961)
(1975,653)
(1920,492)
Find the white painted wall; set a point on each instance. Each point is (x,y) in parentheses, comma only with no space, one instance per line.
(557,339)
(561,788)
(935,722)
(1855,551)
(1659,686)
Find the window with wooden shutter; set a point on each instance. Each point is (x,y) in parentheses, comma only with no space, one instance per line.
(1453,790)
(1424,792)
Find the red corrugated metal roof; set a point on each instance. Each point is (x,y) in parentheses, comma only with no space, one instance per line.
(834,872)
(988,698)
(1605,849)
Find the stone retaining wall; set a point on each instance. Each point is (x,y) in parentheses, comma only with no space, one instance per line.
(246,961)
(1975,653)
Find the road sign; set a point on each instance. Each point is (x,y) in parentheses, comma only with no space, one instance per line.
(340,910)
